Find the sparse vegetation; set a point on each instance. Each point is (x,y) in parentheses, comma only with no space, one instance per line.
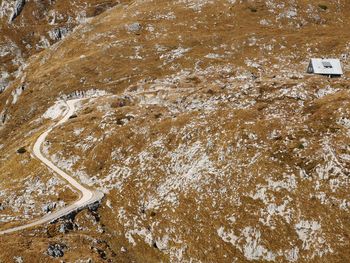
(210,144)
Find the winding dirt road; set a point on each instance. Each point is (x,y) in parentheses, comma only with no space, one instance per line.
(87,197)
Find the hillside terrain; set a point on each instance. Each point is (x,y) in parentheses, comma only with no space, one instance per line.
(199,124)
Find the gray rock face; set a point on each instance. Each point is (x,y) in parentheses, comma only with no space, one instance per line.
(2,88)
(55,34)
(17,9)
(56,250)
(58,33)
(3,117)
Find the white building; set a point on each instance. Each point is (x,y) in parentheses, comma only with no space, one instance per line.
(329,67)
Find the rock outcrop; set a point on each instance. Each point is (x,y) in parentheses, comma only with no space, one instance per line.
(19,5)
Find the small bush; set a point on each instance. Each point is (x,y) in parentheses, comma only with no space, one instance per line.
(157,115)
(21,150)
(323,7)
(253,9)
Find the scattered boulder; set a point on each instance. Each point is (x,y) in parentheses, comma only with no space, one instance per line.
(3,117)
(21,150)
(2,88)
(66,226)
(58,33)
(55,34)
(155,244)
(71,216)
(124,119)
(73,116)
(102,253)
(56,250)
(18,259)
(48,207)
(93,207)
(134,27)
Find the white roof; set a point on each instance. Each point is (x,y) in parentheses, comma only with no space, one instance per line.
(327,66)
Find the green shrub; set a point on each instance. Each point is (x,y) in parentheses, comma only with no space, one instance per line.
(21,150)
(323,7)
(253,9)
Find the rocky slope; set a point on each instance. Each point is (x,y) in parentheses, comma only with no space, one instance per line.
(28,27)
(207,137)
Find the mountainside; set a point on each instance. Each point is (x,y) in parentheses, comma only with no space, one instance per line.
(200,125)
